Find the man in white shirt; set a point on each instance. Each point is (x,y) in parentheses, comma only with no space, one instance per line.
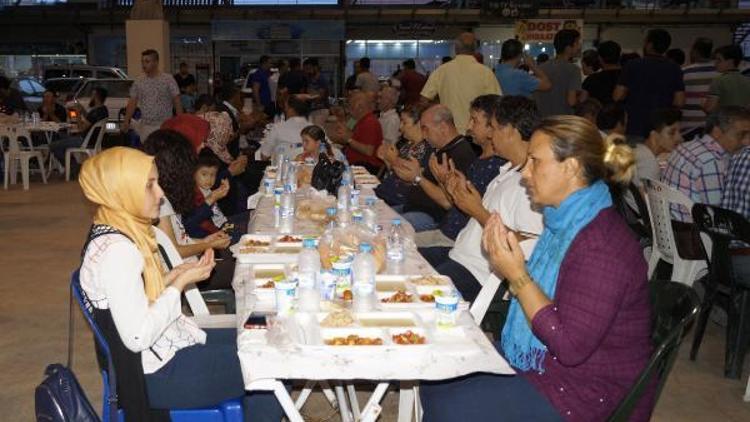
(512,124)
(155,93)
(460,80)
(663,137)
(285,136)
(389,120)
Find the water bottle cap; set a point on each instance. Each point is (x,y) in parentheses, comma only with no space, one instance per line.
(287,188)
(344,182)
(308,243)
(331,211)
(370,201)
(396,222)
(365,247)
(357,218)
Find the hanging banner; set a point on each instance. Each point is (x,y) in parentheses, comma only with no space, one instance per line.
(544,30)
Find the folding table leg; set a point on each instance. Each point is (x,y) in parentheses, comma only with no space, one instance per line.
(405,401)
(346,415)
(417,405)
(372,409)
(304,394)
(286,403)
(326,388)
(353,400)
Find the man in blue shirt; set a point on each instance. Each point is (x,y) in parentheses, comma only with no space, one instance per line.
(514,81)
(261,88)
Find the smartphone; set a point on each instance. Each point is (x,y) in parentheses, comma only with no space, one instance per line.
(256,322)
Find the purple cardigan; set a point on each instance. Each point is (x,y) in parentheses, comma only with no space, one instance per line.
(597,330)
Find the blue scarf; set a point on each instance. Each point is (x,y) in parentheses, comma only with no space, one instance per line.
(561,225)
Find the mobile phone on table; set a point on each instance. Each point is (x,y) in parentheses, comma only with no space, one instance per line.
(256,322)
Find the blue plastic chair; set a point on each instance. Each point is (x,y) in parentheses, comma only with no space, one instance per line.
(227,411)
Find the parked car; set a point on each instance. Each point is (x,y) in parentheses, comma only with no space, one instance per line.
(118,92)
(83,71)
(65,88)
(31,90)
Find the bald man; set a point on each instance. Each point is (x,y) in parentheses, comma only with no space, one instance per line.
(361,143)
(389,120)
(439,129)
(461,80)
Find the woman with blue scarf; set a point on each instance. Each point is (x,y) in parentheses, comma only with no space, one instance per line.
(578,330)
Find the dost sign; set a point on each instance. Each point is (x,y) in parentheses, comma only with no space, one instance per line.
(544,30)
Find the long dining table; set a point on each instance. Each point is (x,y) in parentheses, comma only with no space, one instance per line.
(291,347)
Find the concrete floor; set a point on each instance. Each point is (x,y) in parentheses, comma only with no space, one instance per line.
(41,233)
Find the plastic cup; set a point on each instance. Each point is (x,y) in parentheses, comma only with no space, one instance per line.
(327,285)
(285,291)
(446,306)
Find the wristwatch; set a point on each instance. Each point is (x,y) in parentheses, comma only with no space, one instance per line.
(417,180)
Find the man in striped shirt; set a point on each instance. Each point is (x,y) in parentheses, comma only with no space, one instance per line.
(697,77)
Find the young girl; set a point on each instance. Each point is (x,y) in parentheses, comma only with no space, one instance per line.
(313,138)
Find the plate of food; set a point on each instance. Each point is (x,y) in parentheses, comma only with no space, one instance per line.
(431,285)
(353,337)
(387,283)
(253,249)
(397,297)
(408,337)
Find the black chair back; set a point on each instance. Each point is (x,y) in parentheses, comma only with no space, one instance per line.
(723,227)
(674,307)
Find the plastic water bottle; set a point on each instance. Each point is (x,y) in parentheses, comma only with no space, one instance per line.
(331,217)
(343,196)
(291,177)
(346,176)
(363,275)
(287,211)
(395,243)
(308,267)
(354,199)
(369,216)
(277,193)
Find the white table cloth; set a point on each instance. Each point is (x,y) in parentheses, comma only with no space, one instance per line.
(264,365)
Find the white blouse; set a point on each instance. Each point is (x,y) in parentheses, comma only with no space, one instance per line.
(508,197)
(111,277)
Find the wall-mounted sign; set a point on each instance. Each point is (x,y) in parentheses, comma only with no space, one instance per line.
(511,9)
(544,30)
(234,30)
(414,29)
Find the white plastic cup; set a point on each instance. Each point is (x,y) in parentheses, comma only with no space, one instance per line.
(446,306)
(285,291)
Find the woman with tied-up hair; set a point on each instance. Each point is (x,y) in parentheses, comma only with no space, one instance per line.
(579,325)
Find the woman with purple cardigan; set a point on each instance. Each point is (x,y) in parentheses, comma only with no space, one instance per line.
(578,330)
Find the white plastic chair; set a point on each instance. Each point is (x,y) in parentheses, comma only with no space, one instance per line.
(201,314)
(660,197)
(86,147)
(13,155)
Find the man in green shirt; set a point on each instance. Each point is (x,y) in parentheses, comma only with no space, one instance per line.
(731,88)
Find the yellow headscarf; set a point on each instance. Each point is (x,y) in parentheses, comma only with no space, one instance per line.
(115,180)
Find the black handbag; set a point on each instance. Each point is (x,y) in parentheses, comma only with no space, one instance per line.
(60,398)
(327,174)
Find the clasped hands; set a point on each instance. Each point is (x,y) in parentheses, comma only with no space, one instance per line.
(504,253)
(191,272)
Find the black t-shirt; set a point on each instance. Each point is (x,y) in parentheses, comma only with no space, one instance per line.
(94,115)
(183,82)
(294,81)
(651,82)
(59,113)
(600,85)
(460,151)
(13,102)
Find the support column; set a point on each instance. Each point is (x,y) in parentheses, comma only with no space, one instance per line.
(144,34)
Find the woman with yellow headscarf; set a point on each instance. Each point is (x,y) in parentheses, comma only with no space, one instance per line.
(123,277)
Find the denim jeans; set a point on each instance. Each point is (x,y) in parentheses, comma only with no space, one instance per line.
(205,375)
(741,268)
(58,147)
(485,397)
(421,221)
